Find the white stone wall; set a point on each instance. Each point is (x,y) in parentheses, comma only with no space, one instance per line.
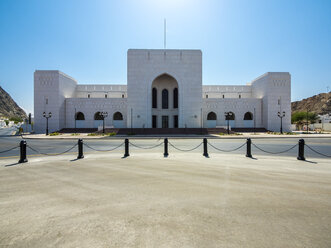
(99,91)
(227,91)
(50,90)
(145,65)
(275,90)
(90,106)
(238,106)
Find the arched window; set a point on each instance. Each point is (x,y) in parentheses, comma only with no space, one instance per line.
(98,116)
(154,98)
(211,116)
(175,98)
(230,117)
(117,116)
(80,116)
(248,116)
(165,99)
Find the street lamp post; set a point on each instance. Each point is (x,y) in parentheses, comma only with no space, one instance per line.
(281,116)
(307,122)
(47,117)
(228,115)
(104,115)
(75,121)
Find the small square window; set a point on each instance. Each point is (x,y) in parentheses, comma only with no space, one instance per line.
(106,96)
(278,101)
(223,96)
(239,96)
(46,100)
(206,96)
(122,95)
(88,96)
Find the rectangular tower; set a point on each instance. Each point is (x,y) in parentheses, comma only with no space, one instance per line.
(144,66)
(274,88)
(51,88)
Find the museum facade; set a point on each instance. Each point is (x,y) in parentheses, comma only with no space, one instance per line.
(164,90)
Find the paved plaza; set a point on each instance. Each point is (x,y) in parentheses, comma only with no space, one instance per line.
(145,200)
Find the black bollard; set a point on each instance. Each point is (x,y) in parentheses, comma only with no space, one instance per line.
(249,148)
(80,149)
(23,152)
(205,148)
(126,154)
(165,154)
(301,151)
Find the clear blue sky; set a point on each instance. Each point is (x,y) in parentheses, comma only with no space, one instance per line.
(240,40)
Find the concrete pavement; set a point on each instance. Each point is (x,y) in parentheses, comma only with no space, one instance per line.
(181,201)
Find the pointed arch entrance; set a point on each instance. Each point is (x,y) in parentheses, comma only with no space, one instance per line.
(165,102)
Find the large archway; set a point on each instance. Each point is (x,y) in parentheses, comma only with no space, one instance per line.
(118,120)
(79,120)
(211,120)
(165,102)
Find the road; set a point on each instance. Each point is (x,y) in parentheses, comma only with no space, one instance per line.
(7,131)
(322,145)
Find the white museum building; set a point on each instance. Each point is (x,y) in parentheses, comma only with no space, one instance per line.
(164,90)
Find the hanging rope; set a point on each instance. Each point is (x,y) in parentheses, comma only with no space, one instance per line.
(51,154)
(221,150)
(273,152)
(328,156)
(9,149)
(183,150)
(150,147)
(108,150)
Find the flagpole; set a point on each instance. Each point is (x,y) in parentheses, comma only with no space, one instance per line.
(165,33)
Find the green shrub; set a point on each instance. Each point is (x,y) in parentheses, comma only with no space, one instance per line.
(233,134)
(111,134)
(92,134)
(96,134)
(54,134)
(75,134)
(16,119)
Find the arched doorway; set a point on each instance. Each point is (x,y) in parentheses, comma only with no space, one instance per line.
(165,102)
(98,120)
(231,117)
(118,120)
(211,120)
(248,120)
(80,120)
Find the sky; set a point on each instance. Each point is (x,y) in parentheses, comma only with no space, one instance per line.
(239,39)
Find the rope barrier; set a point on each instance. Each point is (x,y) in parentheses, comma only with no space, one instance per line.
(109,150)
(9,149)
(232,150)
(328,156)
(273,152)
(183,150)
(51,154)
(151,147)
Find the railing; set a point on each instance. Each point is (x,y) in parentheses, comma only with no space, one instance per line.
(80,144)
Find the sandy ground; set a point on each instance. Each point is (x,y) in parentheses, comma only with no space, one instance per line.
(180,201)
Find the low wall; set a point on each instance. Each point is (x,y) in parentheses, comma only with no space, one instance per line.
(322,126)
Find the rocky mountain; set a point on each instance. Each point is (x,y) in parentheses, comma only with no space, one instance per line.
(320,104)
(8,107)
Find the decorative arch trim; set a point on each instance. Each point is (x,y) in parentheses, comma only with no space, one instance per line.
(79,116)
(118,116)
(211,116)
